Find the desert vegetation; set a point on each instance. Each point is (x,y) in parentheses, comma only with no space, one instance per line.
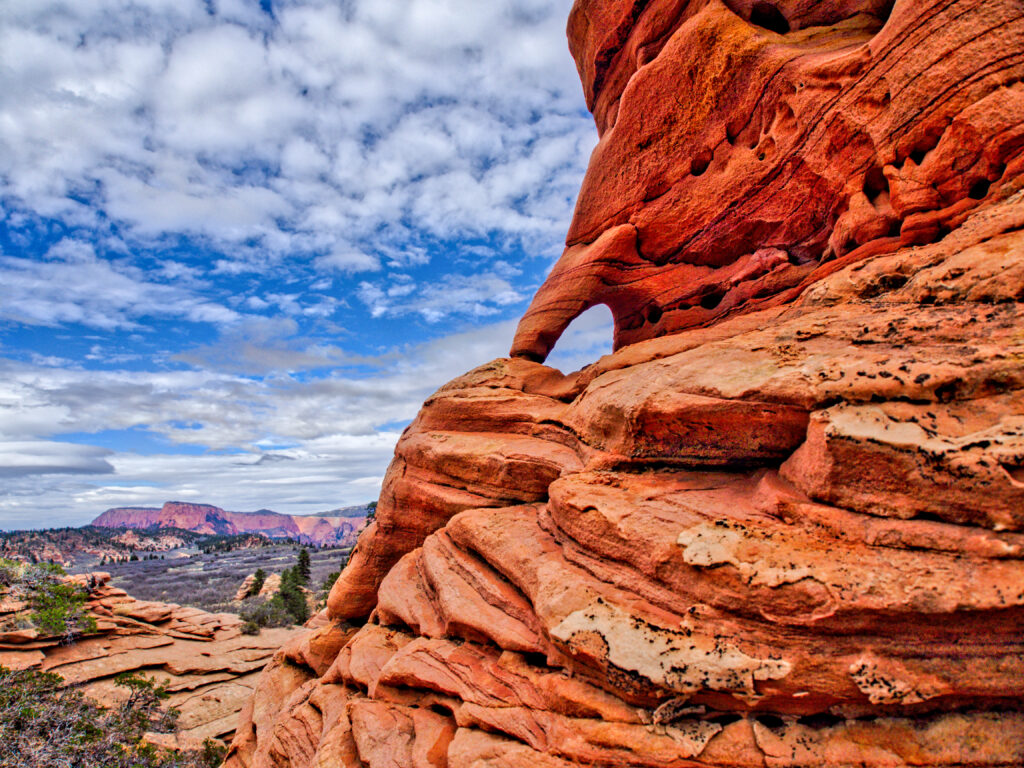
(210,581)
(289,605)
(91,547)
(56,606)
(43,725)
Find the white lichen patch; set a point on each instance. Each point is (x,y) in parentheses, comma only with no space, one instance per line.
(711,544)
(888,683)
(682,661)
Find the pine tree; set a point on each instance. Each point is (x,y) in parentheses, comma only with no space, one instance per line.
(292,597)
(259,579)
(303,570)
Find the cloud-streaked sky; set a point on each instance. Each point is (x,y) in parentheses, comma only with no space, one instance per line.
(241,241)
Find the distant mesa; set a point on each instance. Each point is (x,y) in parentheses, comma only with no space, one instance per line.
(339,527)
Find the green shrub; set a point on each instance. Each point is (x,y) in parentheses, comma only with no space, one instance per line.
(212,754)
(268,613)
(10,571)
(58,609)
(250,628)
(43,725)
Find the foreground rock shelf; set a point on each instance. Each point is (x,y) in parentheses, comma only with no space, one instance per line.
(783,523)
(208,666)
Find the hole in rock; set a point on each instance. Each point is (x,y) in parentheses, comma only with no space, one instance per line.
(769,17)
(1015,473)
(440,709)
(700,162)
(892,282)
(996,386)
(820,720)
(875,183)
(929,517)
(587,338)
(712,298)
(886,11)
(654,313)
(979,189)
(535,659)
(771,721)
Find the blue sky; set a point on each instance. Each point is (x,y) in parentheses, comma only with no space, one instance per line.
(241,241)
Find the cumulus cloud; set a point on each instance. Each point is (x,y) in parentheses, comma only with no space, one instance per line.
(477,295)
(337,131)
(72,285)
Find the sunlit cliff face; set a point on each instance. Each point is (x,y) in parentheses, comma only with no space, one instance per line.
(750,148)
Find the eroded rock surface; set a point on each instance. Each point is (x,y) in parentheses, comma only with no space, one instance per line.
(209,667)
(783,523)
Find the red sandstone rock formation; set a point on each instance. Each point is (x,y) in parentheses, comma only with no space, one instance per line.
(783,524)
(209,667)
(206,518)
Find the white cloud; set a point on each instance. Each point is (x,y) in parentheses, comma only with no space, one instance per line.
(73,285)
(348,262)
(305,133)
(37,457)
(480,295)
(337,430)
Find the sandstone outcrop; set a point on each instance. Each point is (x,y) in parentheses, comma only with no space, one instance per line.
(208,666)
(783,523)
(319,530)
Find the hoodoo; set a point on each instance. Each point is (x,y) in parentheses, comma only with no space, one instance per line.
(783,523)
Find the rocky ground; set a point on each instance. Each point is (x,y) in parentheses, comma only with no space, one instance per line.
(783,524)
(209,667)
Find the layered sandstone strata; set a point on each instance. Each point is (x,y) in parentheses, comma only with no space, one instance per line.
(783,523)
(209,667)
(319,530)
